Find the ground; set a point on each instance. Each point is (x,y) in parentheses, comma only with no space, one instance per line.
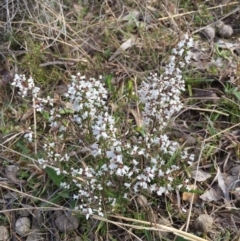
(124,42)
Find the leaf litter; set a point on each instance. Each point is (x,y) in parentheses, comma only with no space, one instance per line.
(225,184)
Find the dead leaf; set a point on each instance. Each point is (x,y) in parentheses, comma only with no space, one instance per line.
(137,117)
(11,174)
(222,184)
(124,46)
(61,89)
(212,194)
(235,171)
(200,176)
(231,182)
(27,114)
(142,201)
(189,196)
(77,8)
(131,15)
(190,140)
(227,45)
(236,192)
(5,77)
(170,7)
(204,94)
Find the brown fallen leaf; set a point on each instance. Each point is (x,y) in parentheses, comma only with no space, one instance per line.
(123,47)
(137,117)
(27,114)
(11,174)
(190,196)
(5,77)
(200,176)
(222,184)
(212,194)
(227,45)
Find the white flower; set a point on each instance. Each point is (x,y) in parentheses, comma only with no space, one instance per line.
(75,197)
(29,136)
(113,166)
(161,190)
(41,161)
(123,170)
(89,213)
(64,185)
(190,43)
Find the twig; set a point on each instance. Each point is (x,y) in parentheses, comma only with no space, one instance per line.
(3,185)
(227,15)
(158,227)
(211,8)
(207,110)
(35,125)
(211,137)
(195,181)
(52,63)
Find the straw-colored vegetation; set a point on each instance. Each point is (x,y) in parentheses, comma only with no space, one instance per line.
(121,117)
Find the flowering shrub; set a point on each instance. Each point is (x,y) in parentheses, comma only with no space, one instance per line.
(109,164)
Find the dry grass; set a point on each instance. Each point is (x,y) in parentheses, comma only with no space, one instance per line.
(52,40)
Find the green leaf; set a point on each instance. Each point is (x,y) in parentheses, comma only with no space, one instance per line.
(130,86)
(55,199)
(57,179)
(190,81)
(66,111)
(180,239)
(148,235)
(64,194)
(73,203)
(237,94)
(108,82)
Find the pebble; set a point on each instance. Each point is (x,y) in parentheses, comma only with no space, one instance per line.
(204,223)
(22,226)
(209,32)
(224,30)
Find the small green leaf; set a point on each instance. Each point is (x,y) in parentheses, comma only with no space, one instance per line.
(237,94)
(66,111)
(55,199)
(130,86)
(180,239)
(57,179)
(73,203)
(64,194)
(108,82)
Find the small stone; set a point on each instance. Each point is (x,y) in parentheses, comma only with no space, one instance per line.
(67,223)
(224,30)
(22,226)
(209,32)
(203,223)
(4,234)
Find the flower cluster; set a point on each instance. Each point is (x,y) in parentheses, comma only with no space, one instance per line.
(27,86)
(146,162)
(161,95)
